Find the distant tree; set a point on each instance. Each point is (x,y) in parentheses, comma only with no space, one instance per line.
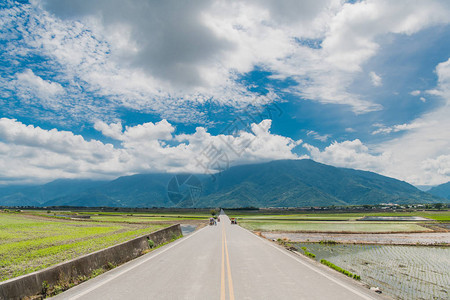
(439,206)
(213,212)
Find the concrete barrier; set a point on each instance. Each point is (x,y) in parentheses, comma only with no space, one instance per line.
(31,284)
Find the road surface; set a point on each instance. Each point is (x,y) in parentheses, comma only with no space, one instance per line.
(220,262)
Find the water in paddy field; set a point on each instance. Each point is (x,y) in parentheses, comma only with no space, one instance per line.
(402,272)
(187,229)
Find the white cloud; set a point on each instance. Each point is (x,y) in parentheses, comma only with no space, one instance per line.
(317,136)
(417,93)
(31,87)
(113,130)
(351,38)
(350,154)
(376,79)
(419,156)
(147,56)
(439,165)
(396,128)
(34,83)
(32,154)
(133,55)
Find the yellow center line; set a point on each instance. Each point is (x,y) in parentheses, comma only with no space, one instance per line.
(230,281)
(222,275)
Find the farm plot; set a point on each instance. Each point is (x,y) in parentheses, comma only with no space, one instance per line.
(404,272)
(29,243)
(330,226)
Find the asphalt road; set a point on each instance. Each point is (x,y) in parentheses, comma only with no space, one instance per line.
(220,262)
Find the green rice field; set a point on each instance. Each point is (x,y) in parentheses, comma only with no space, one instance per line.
(330,226)
(442,216)
(340,222)
(29,242)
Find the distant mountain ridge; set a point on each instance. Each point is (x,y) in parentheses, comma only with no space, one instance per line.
(281,183)
(442,190)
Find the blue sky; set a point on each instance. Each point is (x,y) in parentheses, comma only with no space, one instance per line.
(108,88)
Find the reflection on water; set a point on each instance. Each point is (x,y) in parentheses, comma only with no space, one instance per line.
(403,272)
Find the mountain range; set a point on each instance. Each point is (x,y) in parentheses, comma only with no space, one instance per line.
(442,190)
(281,183)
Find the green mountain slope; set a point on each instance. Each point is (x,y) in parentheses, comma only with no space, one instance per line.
(282,183)
(442,190)
(291,183)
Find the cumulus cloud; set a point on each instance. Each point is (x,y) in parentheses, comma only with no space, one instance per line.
(33,154)
(113,130)
(419,156)
(350,154)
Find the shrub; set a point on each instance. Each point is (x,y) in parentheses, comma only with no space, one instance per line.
(97,272)
(110,266)
(45,287)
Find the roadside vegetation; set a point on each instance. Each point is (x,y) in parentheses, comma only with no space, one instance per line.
(307,253)
(65,284)
(339,269)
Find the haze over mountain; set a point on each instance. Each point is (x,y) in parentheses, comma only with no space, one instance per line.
(442,190)
(282,183)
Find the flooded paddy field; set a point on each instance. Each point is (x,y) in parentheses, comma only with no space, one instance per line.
(402,272)
(425,238)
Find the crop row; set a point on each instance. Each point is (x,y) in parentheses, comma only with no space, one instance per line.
(339,269)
